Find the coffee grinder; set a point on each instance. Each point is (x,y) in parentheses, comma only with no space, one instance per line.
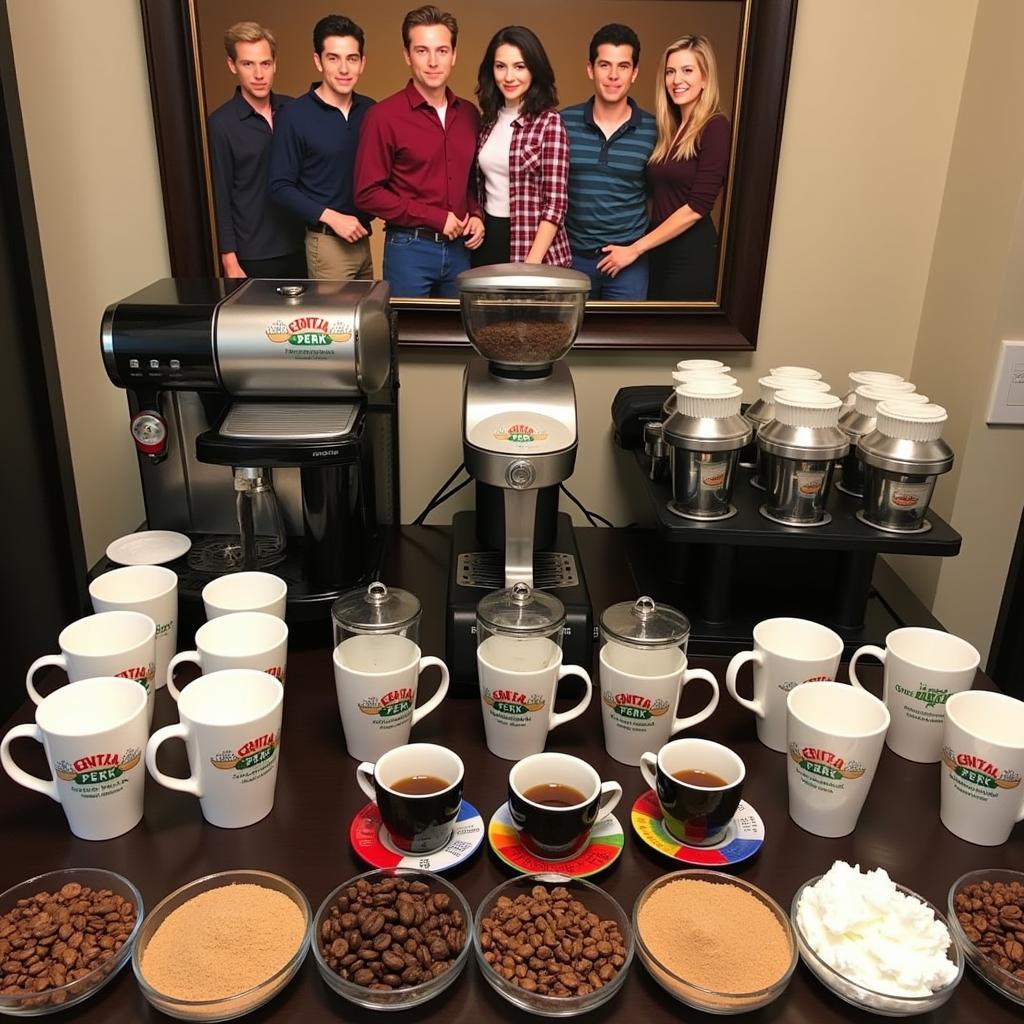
(519,443)
(265,417)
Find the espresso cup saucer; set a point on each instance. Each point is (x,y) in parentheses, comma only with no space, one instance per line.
(371,842)
(743,837)
(603,849)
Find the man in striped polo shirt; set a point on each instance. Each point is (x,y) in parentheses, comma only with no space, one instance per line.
(610,139)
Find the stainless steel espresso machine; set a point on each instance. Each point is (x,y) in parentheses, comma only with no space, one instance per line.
(519,444)
(265,415)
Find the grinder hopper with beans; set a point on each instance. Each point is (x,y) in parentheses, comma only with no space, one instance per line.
(519,444)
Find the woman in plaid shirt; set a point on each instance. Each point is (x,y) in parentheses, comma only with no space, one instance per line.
(522,155)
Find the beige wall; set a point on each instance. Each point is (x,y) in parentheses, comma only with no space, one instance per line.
(89,133)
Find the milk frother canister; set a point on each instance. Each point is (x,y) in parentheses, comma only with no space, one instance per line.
(860,421)
(705,435)
(721,372)
(762,410)
(902,457)
(801,447)
(858,377)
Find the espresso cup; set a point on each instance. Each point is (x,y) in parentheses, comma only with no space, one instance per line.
(640,692)
(253,640)
(981,797)
(787,653)
(246,592)
(835,735)
(518,681)
(231,724)
(415,822)
(696,815)
(923,668)
(118,644)
(151,590)
(555,801)
(93,732)
(377,678)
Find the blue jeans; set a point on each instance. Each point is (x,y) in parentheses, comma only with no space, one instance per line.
(629,286)
(419,268)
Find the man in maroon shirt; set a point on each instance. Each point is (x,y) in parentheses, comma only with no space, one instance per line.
(414,166)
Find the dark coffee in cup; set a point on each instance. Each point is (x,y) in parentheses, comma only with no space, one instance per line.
(699,777)
(418,804)
(555,800)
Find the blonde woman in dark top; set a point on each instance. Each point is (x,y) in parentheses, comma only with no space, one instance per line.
(685,175)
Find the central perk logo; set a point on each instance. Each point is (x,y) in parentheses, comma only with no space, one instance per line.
(396,702)
(979,772)
(144,675)
(792,684)
(249,754)
(511,702)
(92,769)
(634,706)
(520,433)
(818,761)
(309,332)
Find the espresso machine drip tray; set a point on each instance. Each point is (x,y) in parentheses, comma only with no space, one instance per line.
(219,553)
(486,569)
(302,421)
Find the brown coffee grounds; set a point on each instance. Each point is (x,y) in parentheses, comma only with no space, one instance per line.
(223,942)
(714,935)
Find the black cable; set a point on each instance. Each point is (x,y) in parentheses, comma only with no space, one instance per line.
(418,521)
(590,516)
(448,494)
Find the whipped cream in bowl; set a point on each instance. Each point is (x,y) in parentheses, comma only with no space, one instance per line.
(876,944)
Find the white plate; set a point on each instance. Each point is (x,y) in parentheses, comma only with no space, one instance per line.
(148,547)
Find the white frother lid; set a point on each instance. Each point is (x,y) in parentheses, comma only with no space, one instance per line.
(708,397)
(702,364)
(684,376)
(910,422)
(867,396)
(807,408)
(796,372)
(858,377)
(770,386)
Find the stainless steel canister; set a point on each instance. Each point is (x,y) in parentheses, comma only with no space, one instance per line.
(860,421)
(705,435)
(902,457)
(801,447)
(762,410)
(858,377)
(683,376)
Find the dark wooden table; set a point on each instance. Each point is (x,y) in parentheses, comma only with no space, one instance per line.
(306,836)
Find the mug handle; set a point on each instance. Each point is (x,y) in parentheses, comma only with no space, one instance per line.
(567,716)
(649,769)
(364,778)
(442,688)
(177,731)
(611,794)
(867,649)
(47,787)
(47,659)
(738,661)
(707,710)
(180,657)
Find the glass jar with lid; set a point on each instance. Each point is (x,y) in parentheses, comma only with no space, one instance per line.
(645,626)
(520,613)
(376,610)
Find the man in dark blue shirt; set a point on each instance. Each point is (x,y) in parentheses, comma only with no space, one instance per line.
(313,156)
(255,237)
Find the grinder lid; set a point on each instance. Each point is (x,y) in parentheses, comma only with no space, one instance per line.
(376,609)
(520,611)
(645,624)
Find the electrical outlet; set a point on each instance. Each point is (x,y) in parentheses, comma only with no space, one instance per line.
(1007,402)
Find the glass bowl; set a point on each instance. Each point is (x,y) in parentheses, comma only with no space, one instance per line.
(243,1002)
(686,991)
(984,966)
(868,999)
(596,901)
(72,993)
(402,998)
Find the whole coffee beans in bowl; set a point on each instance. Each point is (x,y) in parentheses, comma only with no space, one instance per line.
(223,945)
(392,938)
(63,936)
(714,942)
(552,945)
(986,916)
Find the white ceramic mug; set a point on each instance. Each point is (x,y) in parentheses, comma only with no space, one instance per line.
(231,725)
(923,668)
(981,796)
(93,732)
(246,592)
(120,644)
(151,590)
(640,693)
(835,735)
(787,653)
(377,678)
(239,640)
(518,681)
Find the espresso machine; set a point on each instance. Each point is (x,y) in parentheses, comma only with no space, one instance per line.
(265,417)
(519,443)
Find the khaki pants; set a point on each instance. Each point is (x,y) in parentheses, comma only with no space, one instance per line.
(333,259)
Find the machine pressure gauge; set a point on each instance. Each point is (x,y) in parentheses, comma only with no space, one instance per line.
(521,475)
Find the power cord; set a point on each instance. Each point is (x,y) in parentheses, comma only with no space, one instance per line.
(592,517)
(443,494)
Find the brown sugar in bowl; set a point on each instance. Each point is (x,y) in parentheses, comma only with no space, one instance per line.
(714,942)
